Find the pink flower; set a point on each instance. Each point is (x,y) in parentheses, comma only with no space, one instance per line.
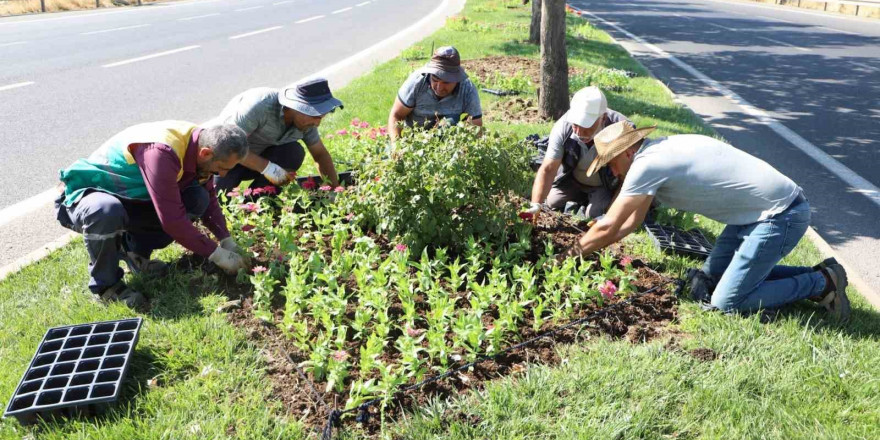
(309,184)
(248,192)
(340,355)
(608,290)
(258,191)
(376,179)
(260,269)
(364,124)
(383,131)
(400,247)
(247,228)
(233,193)
(339,189)
(526,215)
(249,207)
(356,122)
(268,189)
(372,134)
(342,132)
(349,216)
(414,332)
(626,261)
(326,188)
(355,134)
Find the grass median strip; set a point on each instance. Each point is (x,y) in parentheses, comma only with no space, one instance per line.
(196,376)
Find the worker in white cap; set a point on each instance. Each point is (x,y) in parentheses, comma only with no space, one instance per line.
(562,177)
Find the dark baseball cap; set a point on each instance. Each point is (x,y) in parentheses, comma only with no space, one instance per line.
(446,65)
(311,97)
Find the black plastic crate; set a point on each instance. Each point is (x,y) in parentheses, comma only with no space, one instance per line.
(77,370)
(692,243)
(345,178)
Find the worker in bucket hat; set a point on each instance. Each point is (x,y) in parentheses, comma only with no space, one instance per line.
(440,92)
(765,214)
(277,123)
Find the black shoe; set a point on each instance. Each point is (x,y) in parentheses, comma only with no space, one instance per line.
(122,293)
(836,301)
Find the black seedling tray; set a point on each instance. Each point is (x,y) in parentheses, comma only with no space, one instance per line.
(345,177)
(692,243)
(498,92)
(77,370)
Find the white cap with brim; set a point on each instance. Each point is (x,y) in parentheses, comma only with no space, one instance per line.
(310,97)
(587,106)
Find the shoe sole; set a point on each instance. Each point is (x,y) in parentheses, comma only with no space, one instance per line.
(841,301)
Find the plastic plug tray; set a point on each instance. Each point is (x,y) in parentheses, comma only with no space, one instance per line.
(77,370)
(345,177)
(669,238)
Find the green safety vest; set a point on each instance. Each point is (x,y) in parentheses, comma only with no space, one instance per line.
(112,169)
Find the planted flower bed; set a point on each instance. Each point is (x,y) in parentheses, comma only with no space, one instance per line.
(423,266)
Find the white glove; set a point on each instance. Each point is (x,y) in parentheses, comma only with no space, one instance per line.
(227,260)
(534,208)
(230,245)
(275,174)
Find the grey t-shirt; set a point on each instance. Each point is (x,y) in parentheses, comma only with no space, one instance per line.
(258,112)
(563,131)
(416,94)
(700,174)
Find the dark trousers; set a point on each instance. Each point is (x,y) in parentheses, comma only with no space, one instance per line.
(112,226)
(590,201)
(288,156)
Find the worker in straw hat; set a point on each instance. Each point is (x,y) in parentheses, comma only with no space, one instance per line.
(766,214)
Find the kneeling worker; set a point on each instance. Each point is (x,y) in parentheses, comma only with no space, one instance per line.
(766,215)
(562,177)
(275,121)
(140,191)
(440,92)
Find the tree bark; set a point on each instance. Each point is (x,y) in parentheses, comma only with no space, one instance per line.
(535,26)
(553,97)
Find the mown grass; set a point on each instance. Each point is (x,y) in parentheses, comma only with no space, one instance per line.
(196,376)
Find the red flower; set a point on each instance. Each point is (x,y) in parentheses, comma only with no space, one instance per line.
(526,215)
(260,269)
(626,261)
(247,228)
(400,247)
(268,189)
(608,290)
(309,184)
(291,175)
(326,188)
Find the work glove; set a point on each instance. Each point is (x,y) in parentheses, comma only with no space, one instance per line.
(533,212)
(275,174)
(230,245)
(227,260)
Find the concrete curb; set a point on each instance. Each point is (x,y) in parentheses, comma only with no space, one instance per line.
(854,8)
(339,75)
(855,280)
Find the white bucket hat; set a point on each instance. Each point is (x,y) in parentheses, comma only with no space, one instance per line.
(587,106)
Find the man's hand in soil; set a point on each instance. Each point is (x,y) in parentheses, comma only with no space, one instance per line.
(230,245)
(227,260)
(275,174)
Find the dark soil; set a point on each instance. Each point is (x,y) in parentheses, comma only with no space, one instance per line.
(703,354)
(639,321)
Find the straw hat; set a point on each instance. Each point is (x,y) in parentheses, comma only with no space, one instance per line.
(613,140)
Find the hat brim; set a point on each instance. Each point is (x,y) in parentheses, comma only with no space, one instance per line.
(634,136)
(316,109)
(446,75)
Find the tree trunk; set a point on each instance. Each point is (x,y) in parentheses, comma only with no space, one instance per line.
(553,98)
(535,26)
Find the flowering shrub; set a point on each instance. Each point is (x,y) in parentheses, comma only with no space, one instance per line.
(442,186)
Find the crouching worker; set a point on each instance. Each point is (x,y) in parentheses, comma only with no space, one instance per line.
(562,177)
(142,190)
(766,215)
(277,123)
(440,92)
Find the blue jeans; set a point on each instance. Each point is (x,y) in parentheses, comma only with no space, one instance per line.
(288,156)
(744,260)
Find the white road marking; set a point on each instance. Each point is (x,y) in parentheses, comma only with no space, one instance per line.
(198,16)
(15,86)
(155,55)
(786,44)
(857,182)
(248,9)
(115,29)
(273,28)
(862,65)
(722,27)
(362,4)
(682,16)
(339,11)
(13,43)
(27,206)
(306,20)
(838,30)
(282,3)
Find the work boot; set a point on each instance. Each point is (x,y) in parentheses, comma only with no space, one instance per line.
(124,294)
(700,285)
(144,266)
(835,300)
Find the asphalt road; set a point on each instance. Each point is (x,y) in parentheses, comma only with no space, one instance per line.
(798,89)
